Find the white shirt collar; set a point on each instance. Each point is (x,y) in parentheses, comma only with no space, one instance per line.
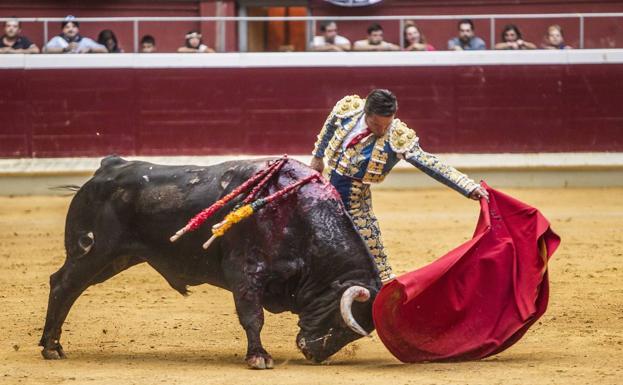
(360,127)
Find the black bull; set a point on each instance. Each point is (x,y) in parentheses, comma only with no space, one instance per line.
(301,254)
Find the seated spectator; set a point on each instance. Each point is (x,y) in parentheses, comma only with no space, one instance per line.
(148,44)
(70,40)
(414,39)
(466,41)
(13,42)
(512,39)
(330,41)
(375,41)
(555,38)
(194,44)
(108,39)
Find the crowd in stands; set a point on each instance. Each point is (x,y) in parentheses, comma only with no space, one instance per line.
(69,40)
(414,39)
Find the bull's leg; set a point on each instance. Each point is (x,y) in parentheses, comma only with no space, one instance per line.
(66,285)
(244,277)
(251,316)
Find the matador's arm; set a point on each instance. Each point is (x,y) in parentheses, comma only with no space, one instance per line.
(434,167)
(406,144)
(346,107)
(325,135)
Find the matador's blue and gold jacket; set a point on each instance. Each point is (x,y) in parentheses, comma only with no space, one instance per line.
(370,160)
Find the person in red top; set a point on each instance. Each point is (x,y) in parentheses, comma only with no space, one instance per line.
(414,39)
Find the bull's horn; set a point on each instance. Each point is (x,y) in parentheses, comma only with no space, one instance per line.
(353,293)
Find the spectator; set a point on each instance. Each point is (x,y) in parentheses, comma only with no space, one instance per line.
(148,44)
(512,39)
(194,44)
(375,41)
(70,40)
(467,40)
(555,38)
(13,42)
(330,41)
(414,39)
(108,39)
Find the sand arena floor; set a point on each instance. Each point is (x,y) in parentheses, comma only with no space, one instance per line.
(134,329)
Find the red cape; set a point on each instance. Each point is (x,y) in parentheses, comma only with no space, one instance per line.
(480,298)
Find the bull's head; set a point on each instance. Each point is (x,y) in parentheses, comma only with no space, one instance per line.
(338,325)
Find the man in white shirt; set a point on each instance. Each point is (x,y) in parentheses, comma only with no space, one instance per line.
(70,40)
(330,41)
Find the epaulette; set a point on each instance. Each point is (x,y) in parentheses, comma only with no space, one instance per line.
(401,137)
(348,106)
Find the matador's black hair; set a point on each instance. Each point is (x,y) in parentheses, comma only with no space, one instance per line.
(381,102)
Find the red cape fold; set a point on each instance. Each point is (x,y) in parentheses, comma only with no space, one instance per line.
(480,298)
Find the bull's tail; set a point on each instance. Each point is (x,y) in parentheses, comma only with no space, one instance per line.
(71,188)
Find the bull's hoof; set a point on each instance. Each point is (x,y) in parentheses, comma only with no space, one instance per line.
(260,361)
(53,353)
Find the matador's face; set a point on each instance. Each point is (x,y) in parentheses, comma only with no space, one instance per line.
(379,124)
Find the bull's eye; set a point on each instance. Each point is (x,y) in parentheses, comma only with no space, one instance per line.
(86,242)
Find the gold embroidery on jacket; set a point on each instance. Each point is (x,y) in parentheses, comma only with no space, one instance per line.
(346,107)
(401,137)
(376,165)
(333,151)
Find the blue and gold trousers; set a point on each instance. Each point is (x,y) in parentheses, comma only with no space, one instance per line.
(357,199)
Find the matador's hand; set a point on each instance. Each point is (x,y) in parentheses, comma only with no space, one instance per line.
(317,164)
(478,193)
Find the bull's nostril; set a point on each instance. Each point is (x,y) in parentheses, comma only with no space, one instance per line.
(301,344)
(307,355)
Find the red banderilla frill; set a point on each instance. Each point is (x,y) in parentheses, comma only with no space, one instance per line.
(272,170)
(263,175)
(247,210)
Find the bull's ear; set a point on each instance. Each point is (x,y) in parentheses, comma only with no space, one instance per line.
(340,286)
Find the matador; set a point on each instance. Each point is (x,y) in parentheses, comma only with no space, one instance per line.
(362,141)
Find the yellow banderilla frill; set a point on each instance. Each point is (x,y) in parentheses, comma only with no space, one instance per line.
(230,219)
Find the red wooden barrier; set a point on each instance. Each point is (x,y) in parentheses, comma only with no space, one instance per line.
(214,111)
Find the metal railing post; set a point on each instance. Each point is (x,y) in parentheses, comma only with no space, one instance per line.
(310,30)
(492,37)
(222,36)
(45,33)
(401,31)
(242,30)
(135,33)
(581,31)
(221,30)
